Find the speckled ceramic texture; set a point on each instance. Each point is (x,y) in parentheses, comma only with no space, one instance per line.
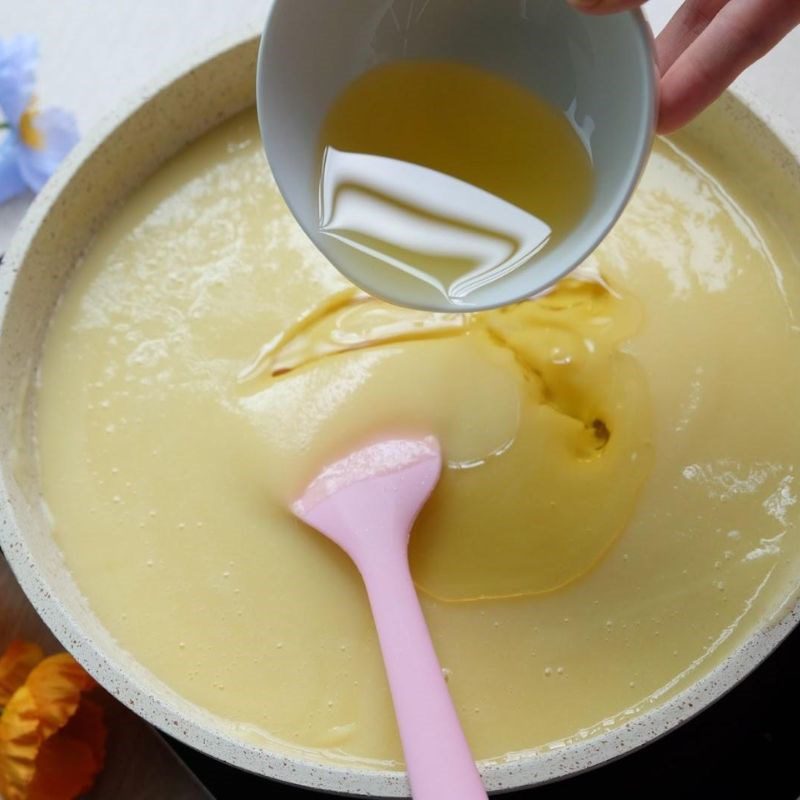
(141,134)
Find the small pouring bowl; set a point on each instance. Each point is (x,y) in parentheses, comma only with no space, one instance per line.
(598,70)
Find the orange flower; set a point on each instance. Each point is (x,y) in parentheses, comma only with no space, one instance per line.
(52,737)
(18,660)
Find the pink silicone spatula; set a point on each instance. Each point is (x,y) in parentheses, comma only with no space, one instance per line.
(367,503)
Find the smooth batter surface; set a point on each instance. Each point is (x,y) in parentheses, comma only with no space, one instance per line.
(630,438)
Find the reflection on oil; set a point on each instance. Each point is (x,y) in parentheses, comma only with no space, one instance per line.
(441,230)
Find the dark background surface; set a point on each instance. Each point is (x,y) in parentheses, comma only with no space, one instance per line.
(747,745)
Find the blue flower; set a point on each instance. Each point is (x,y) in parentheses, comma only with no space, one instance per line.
(32,142)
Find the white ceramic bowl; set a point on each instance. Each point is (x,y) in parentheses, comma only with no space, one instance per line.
(104,168)
(599,70)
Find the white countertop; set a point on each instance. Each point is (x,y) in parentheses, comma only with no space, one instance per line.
(93,53)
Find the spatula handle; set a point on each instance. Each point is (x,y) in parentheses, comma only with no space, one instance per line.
(440,765)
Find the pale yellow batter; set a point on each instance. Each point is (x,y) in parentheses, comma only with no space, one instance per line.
(630,438)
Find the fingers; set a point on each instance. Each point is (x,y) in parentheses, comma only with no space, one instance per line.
(740,33)
(690,20)
(605,6)
(706,46)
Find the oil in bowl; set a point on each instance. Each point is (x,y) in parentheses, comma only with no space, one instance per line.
(441,174)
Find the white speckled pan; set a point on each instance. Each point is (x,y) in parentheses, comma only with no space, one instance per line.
(97,176)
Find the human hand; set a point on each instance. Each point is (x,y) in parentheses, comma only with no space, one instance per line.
(706,46)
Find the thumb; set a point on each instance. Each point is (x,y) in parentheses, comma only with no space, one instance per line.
(605,6)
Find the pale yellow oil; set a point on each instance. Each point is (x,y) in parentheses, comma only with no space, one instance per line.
(448,174)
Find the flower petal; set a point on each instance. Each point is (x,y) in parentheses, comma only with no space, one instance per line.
(70,760)
(60,132)
(18,57)
(17,661)
(11,181)
(48,706)
(20,741)
(56,685)
(88,725)
(65,770)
